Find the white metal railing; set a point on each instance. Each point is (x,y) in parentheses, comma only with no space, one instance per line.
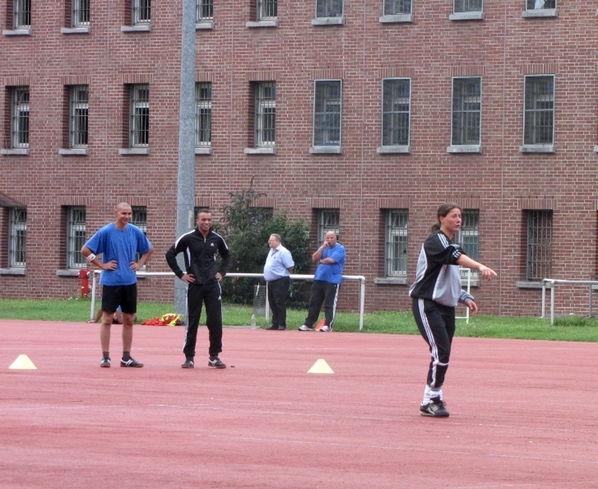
(551,284)
(360,278)
(468,273)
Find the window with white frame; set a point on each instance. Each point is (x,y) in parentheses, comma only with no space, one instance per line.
(205,10)
(139,219)
(462,6)
(539,4)
(539,245)
(329,8)
(17,237)
(396,106)
(397,7)
(327,113)
(78,116)
(75,236)
(395,250)
(265,114)
(139,116)
(141,12)
(267,9)
(19,118)
(80,13)
(203,115)
(539,110)
(467,111)
(21,14)
(328,220)
(468,238)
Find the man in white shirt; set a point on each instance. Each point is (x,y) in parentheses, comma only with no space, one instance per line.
(277,271)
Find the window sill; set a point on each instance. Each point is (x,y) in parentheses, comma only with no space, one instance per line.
(522,284)
(260,151)
(22,31)
(13,271)
(390,280)
(68,272)
(394,149)
(541,12)
(328,21)
(262,23)
(595,149)
(464,148)
(537,148)
(73,152)
(15,152)
(315,150)
(203,151)
(467,16)
(76,30)
(136,28)
(204,25)
(133,151)
(396,19)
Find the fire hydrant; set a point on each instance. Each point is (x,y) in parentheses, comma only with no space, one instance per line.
(84,276)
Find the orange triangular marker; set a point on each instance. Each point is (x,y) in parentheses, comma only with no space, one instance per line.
(320,324)
(23,362)
(320,367)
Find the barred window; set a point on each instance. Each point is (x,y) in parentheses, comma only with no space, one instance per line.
(329,8)
(467,111)
(139,116)
(205,10)
(540,4)
(21,14)
(397,7)
(539,244)
(539,110)
(20,117)
(78,117)
(267,9)
(469,236)
(75,237)
(80,13)
(396,104)
(265,114)
(327,113)
(17,237)
(139,219)
(203,115)
(395,250)
(141,12)
(328,220)
(468,6)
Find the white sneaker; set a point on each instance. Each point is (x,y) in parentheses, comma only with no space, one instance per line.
(304,327)
(326,328)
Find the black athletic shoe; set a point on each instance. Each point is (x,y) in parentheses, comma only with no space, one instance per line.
(188,363)
(435,408)
(131,362)
(215,362)
(105,363)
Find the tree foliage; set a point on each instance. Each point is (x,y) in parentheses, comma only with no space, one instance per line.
(246,229)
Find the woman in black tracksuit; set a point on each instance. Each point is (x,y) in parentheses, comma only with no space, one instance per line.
(435,293)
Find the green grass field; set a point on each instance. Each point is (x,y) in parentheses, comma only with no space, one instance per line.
(565,329)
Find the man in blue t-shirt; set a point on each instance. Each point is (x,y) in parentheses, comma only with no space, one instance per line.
(118,243)
(330,258)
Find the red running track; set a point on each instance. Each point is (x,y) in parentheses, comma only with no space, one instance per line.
(523,413)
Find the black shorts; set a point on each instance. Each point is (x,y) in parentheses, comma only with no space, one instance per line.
(124,296)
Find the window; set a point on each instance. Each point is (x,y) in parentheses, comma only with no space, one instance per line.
(203,115)
(395,250)
(17,237)
(205,10)
(139,116)
(396,103)
(397,7)
(539,110)
(80,13)
(19,127)
(75,237)
(139,219)
(327,113)
(540,4)
(467,111)
(462,6)
(329,8)
(267,9)
(539,245)
(468,238)
(141,12)
(328,220)
(78,116)
(265,114)
(21,14)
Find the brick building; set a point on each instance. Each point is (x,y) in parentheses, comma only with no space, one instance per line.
(361,116)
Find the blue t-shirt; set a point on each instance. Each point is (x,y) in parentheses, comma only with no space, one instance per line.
(121,245)
(333,272)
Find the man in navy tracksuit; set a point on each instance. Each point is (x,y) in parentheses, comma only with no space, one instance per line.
(202,275)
